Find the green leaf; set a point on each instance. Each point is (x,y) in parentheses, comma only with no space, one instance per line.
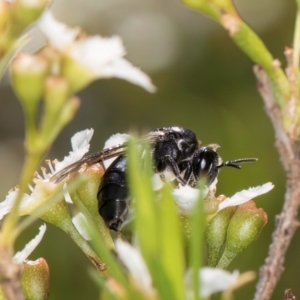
(205,7)
(171,242)
(162,281)
(250,43)
(196,243)
(146,216)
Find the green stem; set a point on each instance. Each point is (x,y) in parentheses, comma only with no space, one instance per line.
(31,163)
(296,44)
(31,128)
(226,259)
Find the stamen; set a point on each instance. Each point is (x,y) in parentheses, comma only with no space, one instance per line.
(44,172)
(48,162)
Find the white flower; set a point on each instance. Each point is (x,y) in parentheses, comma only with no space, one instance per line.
(114,140)
(43,186)
(58,34)
(134,262)
(246,195)
(103,57)
(215,280)
(186,198)
(20,256)
(80,145)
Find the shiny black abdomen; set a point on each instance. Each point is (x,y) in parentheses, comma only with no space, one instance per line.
(113,194)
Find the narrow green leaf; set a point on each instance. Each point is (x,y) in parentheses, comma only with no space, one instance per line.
(145,211)
(171,242)
(196,243)
(205,7)
(162,281)
(250,43)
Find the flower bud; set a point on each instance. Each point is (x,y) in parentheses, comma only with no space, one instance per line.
(28,73)
(215,234)
(35,279)
(87,192)
(244,228)
(4,15)
(56,95)
(57,214)
(68,111)
(85,198)
(25,12)
(52,126)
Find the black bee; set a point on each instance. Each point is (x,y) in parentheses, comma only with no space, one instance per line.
(176,154)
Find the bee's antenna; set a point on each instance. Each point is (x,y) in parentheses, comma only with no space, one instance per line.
(235,163)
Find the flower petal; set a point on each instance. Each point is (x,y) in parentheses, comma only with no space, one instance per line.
(114,140)
(58,34)
(80,145)
(6,205)
(81,139)
(246,195)
(103,57)
(121,68)
(22,255)
(95,52)
(134,262)
(215,280)
(186,198)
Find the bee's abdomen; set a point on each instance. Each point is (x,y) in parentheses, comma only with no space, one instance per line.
(113,194)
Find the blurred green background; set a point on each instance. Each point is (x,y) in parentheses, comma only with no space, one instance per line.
(204,83)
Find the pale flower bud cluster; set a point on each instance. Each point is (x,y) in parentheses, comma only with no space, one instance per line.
(15,17)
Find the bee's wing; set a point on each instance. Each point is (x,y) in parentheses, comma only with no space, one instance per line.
(100,156)
(89,160)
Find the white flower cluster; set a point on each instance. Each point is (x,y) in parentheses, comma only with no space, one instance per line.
(102,57)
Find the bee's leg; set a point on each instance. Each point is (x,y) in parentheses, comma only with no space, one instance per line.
(175,169)
(188,172)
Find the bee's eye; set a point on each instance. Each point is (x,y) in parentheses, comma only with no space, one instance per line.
(205,164)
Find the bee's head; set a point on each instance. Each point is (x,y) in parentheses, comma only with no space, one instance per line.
(206,164)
